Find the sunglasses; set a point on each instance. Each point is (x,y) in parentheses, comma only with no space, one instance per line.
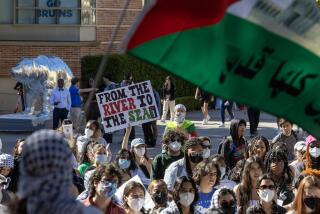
(176,139)
(267,187)
(206,146)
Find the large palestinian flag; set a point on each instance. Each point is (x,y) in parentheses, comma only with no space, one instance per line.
(263,53)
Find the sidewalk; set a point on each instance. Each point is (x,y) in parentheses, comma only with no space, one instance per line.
(267,128)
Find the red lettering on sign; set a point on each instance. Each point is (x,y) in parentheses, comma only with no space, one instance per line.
(123,103)
(106,110)
(131,104)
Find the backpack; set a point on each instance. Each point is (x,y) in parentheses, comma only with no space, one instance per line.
(227,140)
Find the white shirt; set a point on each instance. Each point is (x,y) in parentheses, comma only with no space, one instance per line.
(63,97)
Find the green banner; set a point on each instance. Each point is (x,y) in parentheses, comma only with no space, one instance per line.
(242,61)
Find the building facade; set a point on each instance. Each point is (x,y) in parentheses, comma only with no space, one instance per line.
(69,29)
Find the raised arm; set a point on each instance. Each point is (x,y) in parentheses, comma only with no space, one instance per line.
(126,138)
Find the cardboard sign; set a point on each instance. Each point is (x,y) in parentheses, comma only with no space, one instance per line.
(130,105)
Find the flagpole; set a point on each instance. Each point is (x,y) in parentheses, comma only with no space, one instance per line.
(105,57)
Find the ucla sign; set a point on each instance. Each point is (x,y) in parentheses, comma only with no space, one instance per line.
(53,12)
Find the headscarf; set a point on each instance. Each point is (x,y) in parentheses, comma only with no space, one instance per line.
(46,170)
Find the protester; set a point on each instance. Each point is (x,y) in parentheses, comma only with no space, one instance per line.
(300,153)
(91,108)
(140,163)
(254,116)
(246,191)
(102,187)
(15,175)
(60,99)
(141,159)
(235,173)
(134,198)
(223,202)
(233,147)
(184,195)
(307,199)
(172,141)
(106,86)
(276,164)
(159,193)
(259,147)
(150,129)
(206,175)
(206,145)
(205,98)
(76,103)
(312,154)
(95,154)
(287,136)
(6,164)
(226,104)
(224,182)
(193,154)
(47,177)
(181,122)
(266,188)
(92,133)
(168,98)
(126,165)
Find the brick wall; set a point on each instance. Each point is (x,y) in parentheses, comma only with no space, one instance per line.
(107,16)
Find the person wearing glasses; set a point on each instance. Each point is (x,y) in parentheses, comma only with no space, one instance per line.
(266,189)
(223,202)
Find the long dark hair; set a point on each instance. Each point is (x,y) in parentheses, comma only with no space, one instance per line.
(245,186)
(279,155)
(133,165)
(177,187)
(256,140)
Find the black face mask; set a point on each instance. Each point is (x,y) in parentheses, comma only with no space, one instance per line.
(228,208)
(196,158)
(311,202)
(160,197)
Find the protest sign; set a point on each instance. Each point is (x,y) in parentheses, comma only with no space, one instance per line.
(130,105)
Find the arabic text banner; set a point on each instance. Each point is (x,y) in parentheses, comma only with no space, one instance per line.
(131,105)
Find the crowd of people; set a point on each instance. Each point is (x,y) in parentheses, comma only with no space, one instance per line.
(51,172)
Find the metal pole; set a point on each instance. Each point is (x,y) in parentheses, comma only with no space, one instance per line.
(105,57)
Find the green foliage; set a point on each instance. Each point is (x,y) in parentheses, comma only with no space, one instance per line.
(190,103)
(120,64)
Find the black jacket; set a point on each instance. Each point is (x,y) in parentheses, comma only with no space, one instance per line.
(168,93)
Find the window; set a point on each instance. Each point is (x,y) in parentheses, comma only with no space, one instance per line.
(64,12)
(6,12)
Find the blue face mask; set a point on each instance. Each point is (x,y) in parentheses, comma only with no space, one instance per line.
(108,189)
(124,163)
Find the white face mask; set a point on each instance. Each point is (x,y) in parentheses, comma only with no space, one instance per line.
(140,151)
(88,133)
(222,171)
(314,152)
(186,198)
(266,195)
(102,159)
(180,117)
(206,153)
(136,204)
(175,146)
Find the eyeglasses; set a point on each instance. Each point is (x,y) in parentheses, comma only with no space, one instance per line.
(267,187)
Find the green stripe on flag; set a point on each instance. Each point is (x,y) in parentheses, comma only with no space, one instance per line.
(239,60)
